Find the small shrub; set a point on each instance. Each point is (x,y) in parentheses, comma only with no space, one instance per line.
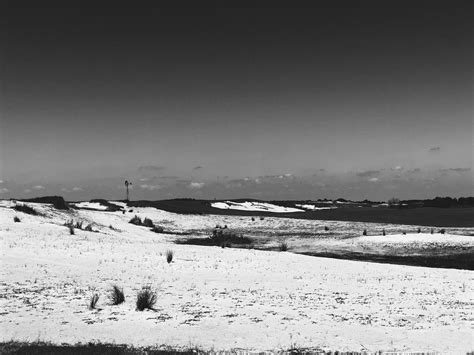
(71,229)
(364,232)
(136,220)
(419,230)
(404,233)
(283,246)
(326,228)
(383,232)
(93,301)
(157,229)
(262,218)
(253,219)
(431,230)
(88,228)
(26,209)
(116,295)
(146,299)
(79,224)
(16,219)
(147,222)
(442,231)
(169,256)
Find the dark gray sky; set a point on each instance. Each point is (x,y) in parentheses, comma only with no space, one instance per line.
(344,99)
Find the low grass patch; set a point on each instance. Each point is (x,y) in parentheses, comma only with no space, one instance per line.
(283,246)
(43,348)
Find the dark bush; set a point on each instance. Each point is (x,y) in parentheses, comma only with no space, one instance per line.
(116,295)
(136,220)
(219,237)
(79,224)
(16,219)
(419,230)
(26,209)
(442,231)
(283,246)
(326,228)
(364,232)
(157,229)
(147,222)
(57,201)
(88,228)
(146,299)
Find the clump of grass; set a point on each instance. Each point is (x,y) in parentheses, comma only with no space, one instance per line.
(418,230)
(253,219)
(147,222)
(364,232)
(116,295)
(157,229)
(383,232)
(169,256)
(71,229)
(16,219)
(262,218)
(79,224)
(146,299)
(88,228)
(326,228)
(26,209)
(442,231)
(431,230)
(136,221)
(404,233)
(93,301)
(283,246)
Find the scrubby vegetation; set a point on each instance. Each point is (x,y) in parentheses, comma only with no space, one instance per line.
(157,229)
(26,209)
(16,219)
(283,246)
(57,201)
(116,295)
(223,237)
(146,299)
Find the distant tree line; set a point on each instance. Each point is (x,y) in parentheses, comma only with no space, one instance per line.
(438,202)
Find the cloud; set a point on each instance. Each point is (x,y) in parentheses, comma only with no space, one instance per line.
(38,187)
(374,179)
(3,190)
(196,185)
(77,188)
(150,187)
(151,168)
(456,170)
(368,173)
(197,167)
(434,149)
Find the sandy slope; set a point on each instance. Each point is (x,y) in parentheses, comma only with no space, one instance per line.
(213,297)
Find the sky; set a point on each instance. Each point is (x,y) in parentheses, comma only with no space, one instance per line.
(268,99)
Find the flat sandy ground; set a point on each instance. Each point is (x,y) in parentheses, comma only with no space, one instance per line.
(222,299)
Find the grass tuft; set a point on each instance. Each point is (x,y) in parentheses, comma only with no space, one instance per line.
(169,256)
(88,228)
(116,295)
(93,301)
(146,299)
